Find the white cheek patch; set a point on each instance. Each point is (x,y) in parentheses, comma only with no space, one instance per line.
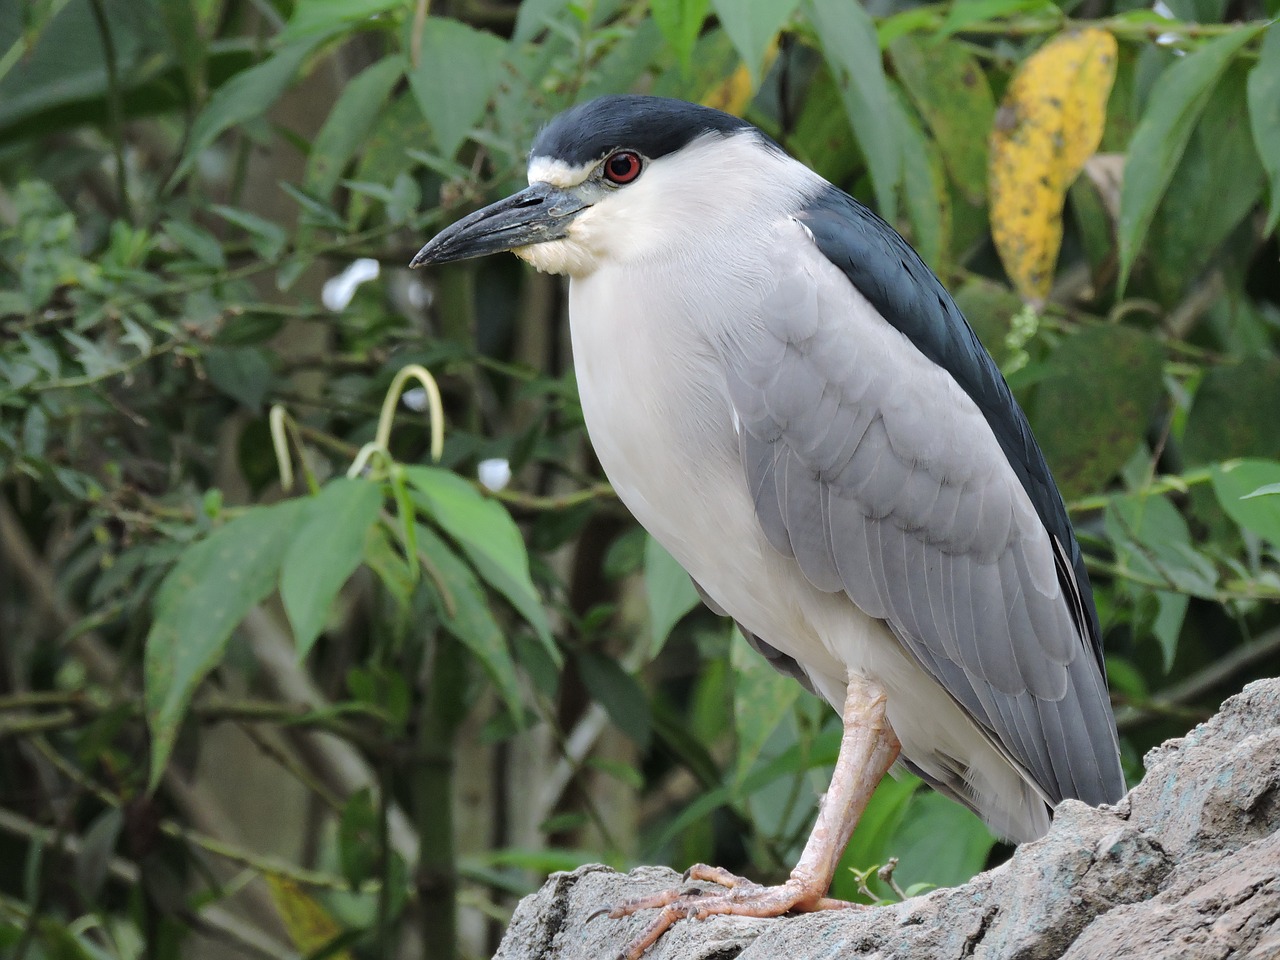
(557,172)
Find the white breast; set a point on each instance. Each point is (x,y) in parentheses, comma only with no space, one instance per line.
(657,410)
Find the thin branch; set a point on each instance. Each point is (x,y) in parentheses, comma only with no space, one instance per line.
(1202,681)
(216,919)
(1168,483)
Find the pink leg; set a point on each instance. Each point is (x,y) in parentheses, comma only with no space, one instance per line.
(867,751)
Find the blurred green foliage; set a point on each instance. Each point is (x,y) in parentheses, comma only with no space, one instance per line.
(465,688)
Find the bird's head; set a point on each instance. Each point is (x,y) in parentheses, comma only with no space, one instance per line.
(623,178)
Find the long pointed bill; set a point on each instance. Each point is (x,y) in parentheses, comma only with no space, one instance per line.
(536,214)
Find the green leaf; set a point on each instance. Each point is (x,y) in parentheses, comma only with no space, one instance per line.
(465,613)
(871,842)
(1171,614)
(947,85)
(927,199)
(325,552)
(390,566)
(1266,490)
(762,697)
(97,846)
(671,594)
(242,373)
(183,28)
(244,97)
(939,842)
(533,16)
(1152,541)
(680,22)
(752,26)
(618,692)
(1202,208)
(358,837)
(848,38)
(456,72)
(349,125)
(214,584)
(314,211)
(1264,114)
(1161,137)
(490,539)
(267,238)
(990,309)
(1092,408)
(64,63)
(201,244)
(399,128)
(1246,489)
(323,16)
(1233,413)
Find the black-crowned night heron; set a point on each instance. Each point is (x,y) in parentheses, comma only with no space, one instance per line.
(790,402)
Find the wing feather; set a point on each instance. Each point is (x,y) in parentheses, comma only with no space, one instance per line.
(869,464)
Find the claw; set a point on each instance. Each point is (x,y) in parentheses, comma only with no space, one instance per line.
(603,911)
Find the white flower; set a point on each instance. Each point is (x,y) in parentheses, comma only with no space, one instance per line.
(339,290)
(494,474)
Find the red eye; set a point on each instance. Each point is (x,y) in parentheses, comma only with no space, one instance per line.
(623,167)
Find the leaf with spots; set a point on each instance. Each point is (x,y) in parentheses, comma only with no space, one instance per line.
(1049,123)
(311,927)
(947,85)
(215,583)
(1092,409)
(1233,413)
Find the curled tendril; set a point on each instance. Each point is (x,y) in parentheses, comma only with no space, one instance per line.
(435,408)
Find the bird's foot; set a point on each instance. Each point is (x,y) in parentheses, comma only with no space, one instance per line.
(743,898)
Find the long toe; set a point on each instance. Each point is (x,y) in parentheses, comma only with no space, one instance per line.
(743,899)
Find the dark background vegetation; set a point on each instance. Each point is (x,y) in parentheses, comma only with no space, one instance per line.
(362,715)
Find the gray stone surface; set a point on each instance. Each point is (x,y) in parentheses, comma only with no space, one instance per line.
(1186,867)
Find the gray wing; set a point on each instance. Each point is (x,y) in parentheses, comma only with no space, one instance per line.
(871,467)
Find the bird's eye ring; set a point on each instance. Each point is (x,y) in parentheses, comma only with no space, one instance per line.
(622,167)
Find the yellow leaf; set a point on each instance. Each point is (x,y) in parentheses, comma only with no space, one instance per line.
(309,924)
(734,93)
(1048,125)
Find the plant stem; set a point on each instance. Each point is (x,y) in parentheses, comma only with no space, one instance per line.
(437,878)
(115,107)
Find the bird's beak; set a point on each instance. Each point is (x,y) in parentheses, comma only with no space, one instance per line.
(536,214)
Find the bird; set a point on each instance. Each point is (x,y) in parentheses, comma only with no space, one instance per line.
(791,403)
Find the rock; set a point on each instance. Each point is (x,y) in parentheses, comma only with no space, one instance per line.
(1186,867)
